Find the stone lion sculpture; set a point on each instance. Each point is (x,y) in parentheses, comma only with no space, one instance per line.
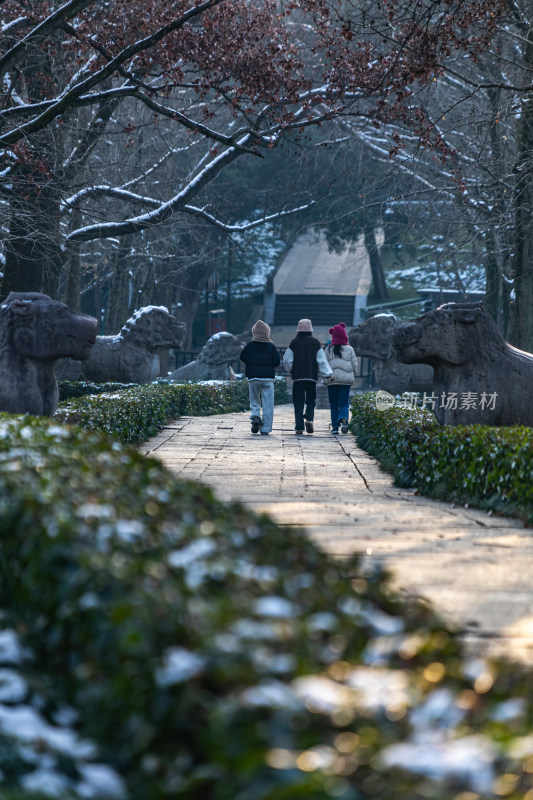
(214,360)
(479,379)
(373,339)
(35,331)
(134,354)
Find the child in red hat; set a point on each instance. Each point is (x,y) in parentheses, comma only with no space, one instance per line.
(343,362)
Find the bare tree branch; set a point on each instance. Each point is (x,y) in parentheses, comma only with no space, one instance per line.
(166,210)
(201,212)
(193,125)
(41,31)
(65,100)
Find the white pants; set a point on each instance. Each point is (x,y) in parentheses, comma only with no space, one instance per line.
(261,391)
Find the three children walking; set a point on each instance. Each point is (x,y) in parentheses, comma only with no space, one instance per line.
(306,362)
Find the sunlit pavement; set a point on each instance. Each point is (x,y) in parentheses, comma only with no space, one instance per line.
(476,569)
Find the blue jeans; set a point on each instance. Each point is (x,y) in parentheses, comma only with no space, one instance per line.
(339,402)
(261,393)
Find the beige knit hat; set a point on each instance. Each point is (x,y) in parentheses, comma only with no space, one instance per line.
(261,331)
(305,326)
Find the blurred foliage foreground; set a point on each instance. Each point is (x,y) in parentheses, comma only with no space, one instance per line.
(158,643)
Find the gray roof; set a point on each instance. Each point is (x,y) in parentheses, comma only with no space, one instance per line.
(310,268)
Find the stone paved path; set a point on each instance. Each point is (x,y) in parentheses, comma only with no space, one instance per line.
(476,569)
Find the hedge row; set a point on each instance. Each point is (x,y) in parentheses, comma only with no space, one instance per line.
(134,413)
(68,390)
(488,467)
(157,643)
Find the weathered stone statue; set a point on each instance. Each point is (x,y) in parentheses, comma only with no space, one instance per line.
(478,377)
(134,354)
(34,332)
(214,360)
(373,339)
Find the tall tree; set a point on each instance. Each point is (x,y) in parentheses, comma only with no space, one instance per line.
(235,76)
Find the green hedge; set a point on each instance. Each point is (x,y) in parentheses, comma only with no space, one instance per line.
(208,653)
(488,467)
(134,413)
(68,390)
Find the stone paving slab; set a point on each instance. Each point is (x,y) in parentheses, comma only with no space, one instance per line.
(475,568)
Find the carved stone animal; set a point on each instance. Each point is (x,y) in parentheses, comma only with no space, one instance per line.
(35,331)
(214,360)
(478,377)
(373,339)
(134,354)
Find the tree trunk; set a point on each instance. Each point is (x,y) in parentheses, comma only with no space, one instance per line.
(52,242)
(378,278)
(189,294)
(118,306)
(33,254)
(493,289)
(521,322)
(33,248)
(493,272)
(73,288)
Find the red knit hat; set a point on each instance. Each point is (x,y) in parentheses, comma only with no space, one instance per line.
(338,334)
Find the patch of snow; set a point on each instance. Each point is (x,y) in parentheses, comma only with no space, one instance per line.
(198,549)
(11,651)
(99,780)
(46,781)
(129,529)
(322,621)
(273,606)
(253,572)
(383,623)
(271,694)
(438,711)
(144,310)
(26,724)
(91,511)
(469,759)
(89,600)
(508,710)
(179,665)
(379,688)
(58,431)
(251,629)
(323,694)
(13,688)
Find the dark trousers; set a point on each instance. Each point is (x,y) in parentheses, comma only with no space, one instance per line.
(303,394)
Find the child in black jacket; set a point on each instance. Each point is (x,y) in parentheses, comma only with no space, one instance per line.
(261,358)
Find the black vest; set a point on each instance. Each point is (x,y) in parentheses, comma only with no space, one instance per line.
(305,366)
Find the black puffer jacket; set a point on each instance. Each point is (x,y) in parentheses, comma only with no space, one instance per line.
(261,359)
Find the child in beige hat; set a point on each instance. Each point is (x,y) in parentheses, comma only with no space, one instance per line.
(261,357)
(306,361)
